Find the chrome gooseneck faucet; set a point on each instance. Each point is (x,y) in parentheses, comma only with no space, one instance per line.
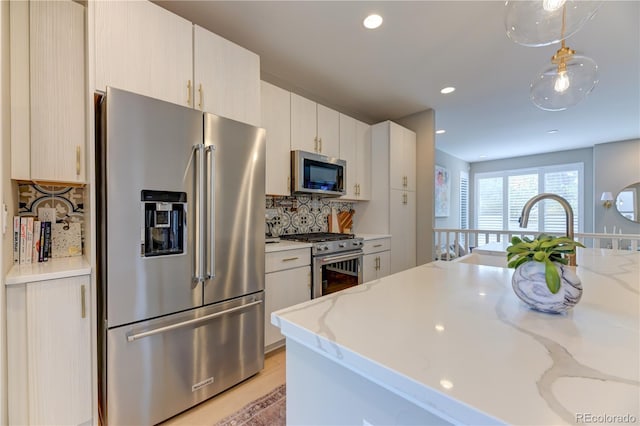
(524,216)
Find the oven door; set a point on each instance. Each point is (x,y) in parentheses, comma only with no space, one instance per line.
(335,272)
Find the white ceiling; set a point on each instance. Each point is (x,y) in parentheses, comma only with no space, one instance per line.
(320,50)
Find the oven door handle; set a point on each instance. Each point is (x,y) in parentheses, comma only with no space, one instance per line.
(339,258)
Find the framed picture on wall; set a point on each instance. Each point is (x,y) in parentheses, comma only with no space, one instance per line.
(443,191)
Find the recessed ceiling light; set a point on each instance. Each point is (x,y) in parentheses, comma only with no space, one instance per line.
(553,131)
(483,156)
(441,131)
(447,90)
(372,21)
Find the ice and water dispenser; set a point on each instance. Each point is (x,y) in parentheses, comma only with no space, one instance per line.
(165,223)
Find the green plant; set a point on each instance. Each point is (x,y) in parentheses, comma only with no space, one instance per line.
(544,249)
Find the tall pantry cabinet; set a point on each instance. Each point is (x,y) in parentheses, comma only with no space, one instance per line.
(392,208)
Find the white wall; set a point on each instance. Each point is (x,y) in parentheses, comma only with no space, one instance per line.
(454,165)
(615,166)
(6,250)
(423,123)
(584,156)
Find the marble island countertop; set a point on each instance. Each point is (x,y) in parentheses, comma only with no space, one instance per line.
(454,339)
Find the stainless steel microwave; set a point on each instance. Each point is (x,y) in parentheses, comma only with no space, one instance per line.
(317,174)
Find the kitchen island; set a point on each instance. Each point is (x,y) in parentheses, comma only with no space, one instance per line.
(450,342)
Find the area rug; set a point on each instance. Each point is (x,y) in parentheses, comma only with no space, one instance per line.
(268,410)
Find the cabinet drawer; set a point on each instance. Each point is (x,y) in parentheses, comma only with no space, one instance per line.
(374,246)
(287,259)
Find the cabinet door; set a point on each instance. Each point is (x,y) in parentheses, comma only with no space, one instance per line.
(369,267)
(328,131)
(57,91)
(403,230)
(276,119)
(409,158)
(396,156)
(143,48)
(59,351)
(303,124)
(349,154)
(283,289)
(363,160)
(227,78)
(384,264)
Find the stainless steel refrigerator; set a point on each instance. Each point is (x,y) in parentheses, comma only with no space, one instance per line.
(181,256)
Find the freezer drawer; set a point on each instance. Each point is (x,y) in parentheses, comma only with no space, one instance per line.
(158,368)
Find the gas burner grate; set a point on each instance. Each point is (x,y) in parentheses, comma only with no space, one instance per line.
(317,237)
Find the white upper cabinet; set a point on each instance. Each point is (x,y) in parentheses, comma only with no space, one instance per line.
(227,78)
(276,119)
(143,48)
(328,131)
(48,91)
(314,127)
(348,153)
(403,160)
(355,149)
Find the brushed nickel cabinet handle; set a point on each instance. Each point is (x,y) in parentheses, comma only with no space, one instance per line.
(200,95)
(83,302)
(189,93)
(377,245)
(78,160)
(289,259)
(315,141)
(320,140)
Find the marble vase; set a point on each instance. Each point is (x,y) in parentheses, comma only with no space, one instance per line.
(530,286)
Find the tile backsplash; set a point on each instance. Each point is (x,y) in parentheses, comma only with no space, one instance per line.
(66,200)
(301,214)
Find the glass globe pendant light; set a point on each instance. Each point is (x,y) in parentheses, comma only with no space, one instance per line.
(565,83)
(537,23)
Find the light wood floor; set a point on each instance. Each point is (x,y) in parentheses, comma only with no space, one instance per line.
(231,400)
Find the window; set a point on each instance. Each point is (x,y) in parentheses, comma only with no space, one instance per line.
(500,196)
(464,204)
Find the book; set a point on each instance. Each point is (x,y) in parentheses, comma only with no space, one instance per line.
(29,241)
(41,252)
(23,240)
(16,239)
(35,256)
(47,242)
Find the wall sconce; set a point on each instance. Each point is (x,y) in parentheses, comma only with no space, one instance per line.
(606,199)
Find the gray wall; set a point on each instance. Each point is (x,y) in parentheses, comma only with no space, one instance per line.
(616,165)
(423,123)
(584,155)
(454,165)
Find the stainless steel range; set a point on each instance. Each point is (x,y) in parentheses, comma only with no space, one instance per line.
(336,261)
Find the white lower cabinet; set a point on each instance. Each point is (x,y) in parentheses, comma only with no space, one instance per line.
(49,356)
(376,259)
(287,283)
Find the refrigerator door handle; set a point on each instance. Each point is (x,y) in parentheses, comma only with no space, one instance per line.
(134,337)
(199,257)
(211,244)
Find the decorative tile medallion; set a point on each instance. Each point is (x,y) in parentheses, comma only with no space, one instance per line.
(67,201)
(301,214)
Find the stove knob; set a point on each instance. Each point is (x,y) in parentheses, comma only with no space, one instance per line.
(342,245)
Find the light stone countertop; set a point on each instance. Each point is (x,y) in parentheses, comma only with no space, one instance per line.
(454,339)
(52,269)
(367,237)
(283,245)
